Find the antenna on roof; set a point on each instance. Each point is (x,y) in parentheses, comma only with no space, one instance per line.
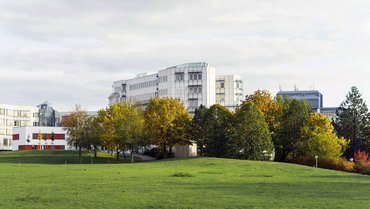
(279,87)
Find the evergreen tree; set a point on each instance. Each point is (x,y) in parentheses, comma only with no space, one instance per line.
(352,122)
(250,136)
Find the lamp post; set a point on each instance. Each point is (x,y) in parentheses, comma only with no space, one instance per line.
(28,139)
(316,160)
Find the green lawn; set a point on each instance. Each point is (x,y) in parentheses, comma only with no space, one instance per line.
(186,183)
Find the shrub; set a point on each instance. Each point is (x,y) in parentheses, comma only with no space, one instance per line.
(363,167)
(361,156)
(339,164)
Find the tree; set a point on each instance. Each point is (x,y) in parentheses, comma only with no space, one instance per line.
(352,122)
(251,137)
(134,128)
(75,126)
(198,130)
(166,121)
(271,108)
(294,115)
(93,131)
(217,126)
(320,139)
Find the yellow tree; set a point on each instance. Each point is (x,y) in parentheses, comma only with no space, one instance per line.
(167,121)
(320,139)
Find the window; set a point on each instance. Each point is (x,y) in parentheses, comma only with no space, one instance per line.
(179,76)
(222,85)
(17,123)
(2,122)
(2,111)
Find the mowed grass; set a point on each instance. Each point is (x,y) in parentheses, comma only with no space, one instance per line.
(181,183)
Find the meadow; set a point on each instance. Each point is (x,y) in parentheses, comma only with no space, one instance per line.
(34,179)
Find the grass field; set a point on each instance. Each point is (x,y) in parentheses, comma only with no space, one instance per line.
(185,183)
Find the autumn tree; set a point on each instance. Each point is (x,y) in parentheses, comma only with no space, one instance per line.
(352,121)
(319,139)
(75,125)
(250,134)
(270,107)
(166,121)
(218,123)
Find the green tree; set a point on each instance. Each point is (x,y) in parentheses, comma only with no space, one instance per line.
(114,130)
(217,126)
(320,139)
(198,129)
(271,108)
(295,114)
(352,121)
(93,129)
(76,130)
(166,121)
(250,136)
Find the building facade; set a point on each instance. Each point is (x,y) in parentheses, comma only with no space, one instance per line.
(15,116)
(192,83)
(313,97)
(229,91)
(39,138)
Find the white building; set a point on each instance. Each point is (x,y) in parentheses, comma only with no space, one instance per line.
(27,138)
(15,116)
(192,83)
(229,91)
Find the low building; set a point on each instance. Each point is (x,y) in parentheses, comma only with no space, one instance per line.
(15,116)
(39,138)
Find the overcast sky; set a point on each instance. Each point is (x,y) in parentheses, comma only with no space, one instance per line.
(69,52)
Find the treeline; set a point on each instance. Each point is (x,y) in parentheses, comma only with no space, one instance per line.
(260,126)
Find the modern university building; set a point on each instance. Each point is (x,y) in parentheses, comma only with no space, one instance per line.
(194,84)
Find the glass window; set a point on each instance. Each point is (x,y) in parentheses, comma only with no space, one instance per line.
(2,111)
(222,85)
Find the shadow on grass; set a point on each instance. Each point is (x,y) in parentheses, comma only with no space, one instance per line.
(58,157)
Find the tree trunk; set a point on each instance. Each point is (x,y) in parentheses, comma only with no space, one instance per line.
(79,151)
(117,156)
(132,156)
(95,152)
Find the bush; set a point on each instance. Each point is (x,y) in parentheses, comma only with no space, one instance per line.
(363,167)
(361,156)
(339,164)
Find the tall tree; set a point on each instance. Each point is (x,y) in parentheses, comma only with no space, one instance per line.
(166,121)
(271,108)
(198,129)
(250,135)
(114,131)
(352,122)
(295,114)
(93,130)
(217,126)
(76,130)
(319,139)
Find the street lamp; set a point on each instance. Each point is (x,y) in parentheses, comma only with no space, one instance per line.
(28,139)
(316,160)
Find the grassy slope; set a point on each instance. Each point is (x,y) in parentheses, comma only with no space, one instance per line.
(216,183)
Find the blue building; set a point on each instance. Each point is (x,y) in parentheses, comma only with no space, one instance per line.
(313,97)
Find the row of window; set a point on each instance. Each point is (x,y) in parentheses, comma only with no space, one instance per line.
(162,79)
(15,113)
(8,122)
(143,85)
(49,136)
(195,90)
(193,76)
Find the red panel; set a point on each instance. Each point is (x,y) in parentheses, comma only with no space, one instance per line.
(25,147)
(15,136)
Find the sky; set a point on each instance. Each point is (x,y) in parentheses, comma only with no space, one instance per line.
(69,52)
